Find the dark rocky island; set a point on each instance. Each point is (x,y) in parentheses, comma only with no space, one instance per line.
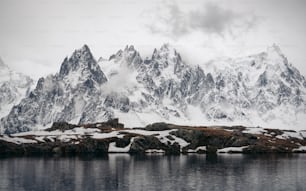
(111,137)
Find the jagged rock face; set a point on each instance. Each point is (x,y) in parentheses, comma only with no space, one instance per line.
(261,87)
(82,65)
(262,82)
(13,87)
(166,76)
(265,85)
(129,56)
(237,90)
(61,97)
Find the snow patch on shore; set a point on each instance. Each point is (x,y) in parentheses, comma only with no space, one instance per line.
(231,149)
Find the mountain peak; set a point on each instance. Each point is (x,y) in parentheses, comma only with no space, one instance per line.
(128,56)
(80,58)
(122,53)
(83,63)
(167,52)
(129,48)
(274,51)
(276,47)
(165,47)
(168,49)
(101,59)
(83,53)
(85,48)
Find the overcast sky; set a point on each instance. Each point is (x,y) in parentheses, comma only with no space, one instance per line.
(36,35)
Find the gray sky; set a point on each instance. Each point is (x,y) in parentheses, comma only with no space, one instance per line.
(36,35)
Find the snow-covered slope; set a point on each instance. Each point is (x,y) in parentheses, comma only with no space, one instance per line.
(70,95)
(264,88)
(13,87)
(258,90)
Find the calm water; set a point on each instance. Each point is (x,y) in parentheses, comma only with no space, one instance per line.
(154,172)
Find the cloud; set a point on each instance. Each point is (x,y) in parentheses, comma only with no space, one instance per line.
(170,20)
(212,19)
(120,80)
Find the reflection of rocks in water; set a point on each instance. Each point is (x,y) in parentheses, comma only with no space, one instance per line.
(212,158)
(154,172)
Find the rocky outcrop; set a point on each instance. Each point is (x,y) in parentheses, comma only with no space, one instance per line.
(157,127)
(108,125)
(111,123)
(87,145)
(144,143)
(100,138)
(62,126)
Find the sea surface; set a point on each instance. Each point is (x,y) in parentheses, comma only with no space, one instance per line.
(154,172)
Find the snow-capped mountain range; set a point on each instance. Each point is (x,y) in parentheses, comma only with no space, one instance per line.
(259,90)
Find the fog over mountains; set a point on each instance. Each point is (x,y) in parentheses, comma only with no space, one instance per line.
(258,90)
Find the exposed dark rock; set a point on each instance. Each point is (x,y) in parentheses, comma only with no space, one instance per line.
(125,141)
(240,140)
(62,126)
(266,149)
(170,138)
(157,127)
(10,148)
(92,145)
(114,123)
(211,149)
(262,80)
(211,138)
(187,134)
(143,143)
(86,145)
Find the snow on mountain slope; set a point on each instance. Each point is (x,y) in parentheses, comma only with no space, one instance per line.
(126,94)
(66,96)
(13,87)
(264,86)
(258,90)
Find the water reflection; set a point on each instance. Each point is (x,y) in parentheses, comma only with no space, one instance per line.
(154,172)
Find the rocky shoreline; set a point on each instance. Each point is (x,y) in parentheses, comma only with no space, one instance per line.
(111,137)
